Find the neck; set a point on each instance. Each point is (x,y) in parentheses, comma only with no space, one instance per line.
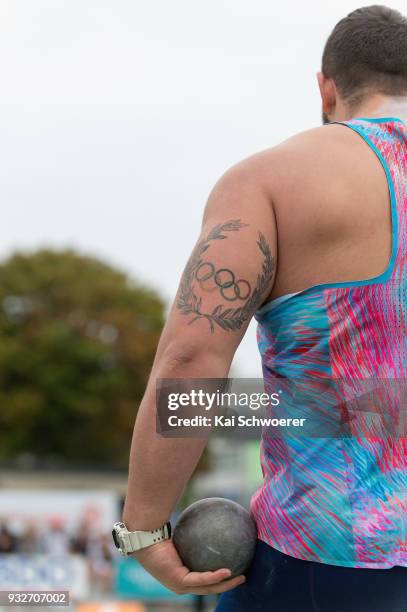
(383,106)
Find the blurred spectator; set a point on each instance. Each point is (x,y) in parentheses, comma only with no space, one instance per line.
(55,539)
(101,562)
(79,541)
(8,542)
(29,542)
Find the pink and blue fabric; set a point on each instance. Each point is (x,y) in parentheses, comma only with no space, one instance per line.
(341,501)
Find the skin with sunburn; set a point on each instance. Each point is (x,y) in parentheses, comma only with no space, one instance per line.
(325,195)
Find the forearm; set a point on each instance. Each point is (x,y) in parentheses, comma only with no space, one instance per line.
(160,467)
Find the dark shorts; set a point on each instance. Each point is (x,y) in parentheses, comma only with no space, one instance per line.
(280,583)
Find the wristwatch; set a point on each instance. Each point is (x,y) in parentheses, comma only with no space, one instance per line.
(130,541)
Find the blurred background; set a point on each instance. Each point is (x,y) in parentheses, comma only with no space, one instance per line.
(116,120)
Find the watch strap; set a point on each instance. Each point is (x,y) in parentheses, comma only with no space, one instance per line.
(136,540)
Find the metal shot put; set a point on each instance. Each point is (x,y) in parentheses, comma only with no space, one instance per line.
(214,533)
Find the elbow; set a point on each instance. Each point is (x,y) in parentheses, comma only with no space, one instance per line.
(185,360)
(179,355)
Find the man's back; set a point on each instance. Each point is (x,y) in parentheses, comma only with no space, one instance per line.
(337,494)
(331,202)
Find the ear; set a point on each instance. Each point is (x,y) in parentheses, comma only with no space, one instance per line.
(328,93)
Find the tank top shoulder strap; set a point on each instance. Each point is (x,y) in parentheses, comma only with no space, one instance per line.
(387,137)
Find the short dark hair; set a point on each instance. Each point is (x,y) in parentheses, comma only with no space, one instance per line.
(367,53)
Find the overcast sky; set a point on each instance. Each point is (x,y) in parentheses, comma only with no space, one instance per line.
(118,116)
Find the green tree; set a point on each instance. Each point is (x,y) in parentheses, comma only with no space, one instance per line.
(77,341)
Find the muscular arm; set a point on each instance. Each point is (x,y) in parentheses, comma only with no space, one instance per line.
(228,276)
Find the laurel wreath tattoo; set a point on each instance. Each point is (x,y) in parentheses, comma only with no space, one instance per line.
(229,319)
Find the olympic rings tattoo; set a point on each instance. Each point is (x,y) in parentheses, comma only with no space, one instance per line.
(229,288)
(203,276)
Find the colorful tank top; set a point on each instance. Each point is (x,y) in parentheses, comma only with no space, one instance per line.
(341,501)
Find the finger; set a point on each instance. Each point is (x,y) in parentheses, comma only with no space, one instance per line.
(197,579)
(220,587)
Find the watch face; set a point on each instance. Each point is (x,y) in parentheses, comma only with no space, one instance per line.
(117,527)
(115,539)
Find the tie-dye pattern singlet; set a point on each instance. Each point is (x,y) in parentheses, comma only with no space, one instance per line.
(341,501)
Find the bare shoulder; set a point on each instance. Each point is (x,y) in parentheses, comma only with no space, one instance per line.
(314,151)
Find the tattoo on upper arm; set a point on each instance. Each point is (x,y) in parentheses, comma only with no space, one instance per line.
(230,287)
